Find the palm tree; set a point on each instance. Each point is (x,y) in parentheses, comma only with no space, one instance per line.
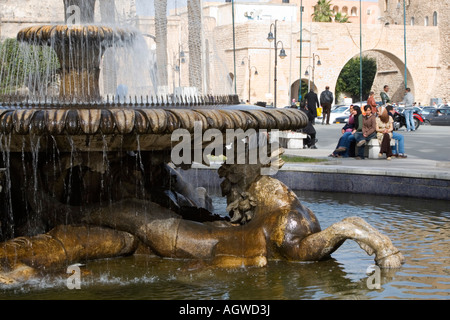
(161,40)
(323,12)
(195,43)
(340,17)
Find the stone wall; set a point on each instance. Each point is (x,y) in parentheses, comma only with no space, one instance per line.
(422,11)
(18,14)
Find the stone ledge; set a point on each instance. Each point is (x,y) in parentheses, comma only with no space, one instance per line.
(333,179)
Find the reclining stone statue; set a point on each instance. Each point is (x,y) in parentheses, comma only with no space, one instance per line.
(267,222)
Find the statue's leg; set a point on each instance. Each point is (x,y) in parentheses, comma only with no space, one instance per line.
(22,257)
(320,245)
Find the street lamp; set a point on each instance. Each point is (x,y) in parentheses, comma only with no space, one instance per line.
(273,37)
(250,68)
(180,57)
(404,37)
(301,47)
(313,68)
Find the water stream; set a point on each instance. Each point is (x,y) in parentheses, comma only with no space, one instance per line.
(419,228)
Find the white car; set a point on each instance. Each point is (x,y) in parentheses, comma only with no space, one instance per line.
(338,112)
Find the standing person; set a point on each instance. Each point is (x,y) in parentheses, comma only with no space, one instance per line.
(312,103)
(326,99)
(368,132)
(309,142)
(371,102)
(408,101)
(384,95)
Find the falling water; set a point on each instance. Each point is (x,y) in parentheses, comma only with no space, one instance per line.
(7,231)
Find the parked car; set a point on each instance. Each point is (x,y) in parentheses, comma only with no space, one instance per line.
(439,117)
(343,119)
(340,111)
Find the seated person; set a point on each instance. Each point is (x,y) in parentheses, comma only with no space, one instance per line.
(367,133)
(348,134)
(398,150)
(385,126)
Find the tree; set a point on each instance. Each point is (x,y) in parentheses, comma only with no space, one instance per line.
(23,65)
(323,12)
(341,18)
(349,79)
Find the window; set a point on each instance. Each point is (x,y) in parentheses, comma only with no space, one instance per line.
(426,21)
(335,9)
(435,19)
(354,12)
(412,21)
(285,1)
(386,5)
(344,10)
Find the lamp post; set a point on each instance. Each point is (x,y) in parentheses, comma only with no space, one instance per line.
(180,58)
(307,75)
(404,37)
(273,37)
(404,41)
(250,68)
(313,68)
(301,47)
(360,55)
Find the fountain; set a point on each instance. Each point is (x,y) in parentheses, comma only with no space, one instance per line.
(88,178)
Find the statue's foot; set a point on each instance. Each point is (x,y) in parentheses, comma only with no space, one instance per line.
(390,262)
(20,273)
(321,244)
(6,280)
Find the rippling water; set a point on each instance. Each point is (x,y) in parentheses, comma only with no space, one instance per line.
(419,228)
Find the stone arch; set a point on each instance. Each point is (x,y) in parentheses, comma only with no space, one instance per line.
(354,12)
(383,76)
(345,10)
(294,88)
(336,9)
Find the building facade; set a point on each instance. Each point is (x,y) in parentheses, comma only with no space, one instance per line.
(245,63)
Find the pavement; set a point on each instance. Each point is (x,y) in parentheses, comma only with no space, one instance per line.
(427,148)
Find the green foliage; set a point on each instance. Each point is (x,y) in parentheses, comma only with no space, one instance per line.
(341,18)
(298,159)
(349,79)
(304,89)
(323,12)
(20,62)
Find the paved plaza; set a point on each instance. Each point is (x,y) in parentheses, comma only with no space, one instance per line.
(428,149)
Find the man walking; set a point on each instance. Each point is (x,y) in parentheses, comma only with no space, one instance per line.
(408,101)
(384,95)
(312,103)
(326,99)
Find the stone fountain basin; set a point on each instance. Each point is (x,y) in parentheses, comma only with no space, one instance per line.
(128,129)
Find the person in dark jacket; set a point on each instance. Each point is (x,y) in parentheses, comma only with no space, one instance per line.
(312,103)
(326,100)
(310,141)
